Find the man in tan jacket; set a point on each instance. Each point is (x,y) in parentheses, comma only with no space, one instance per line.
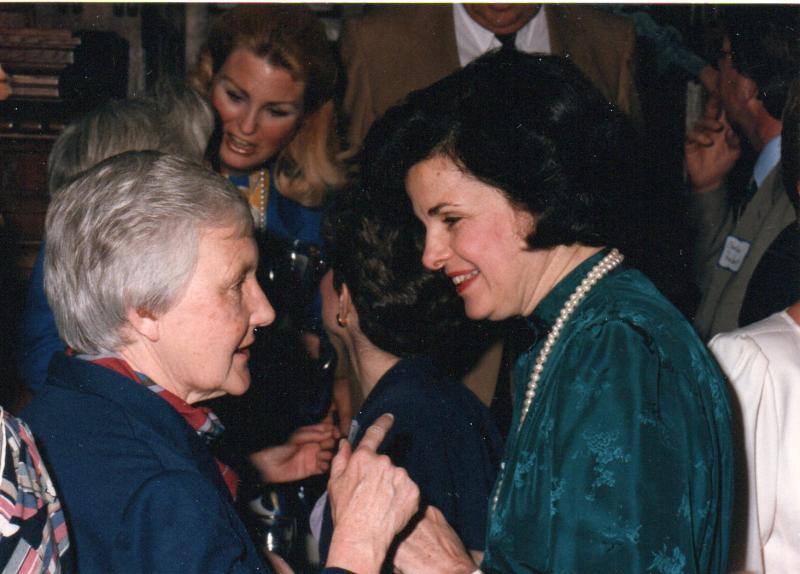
(393,50)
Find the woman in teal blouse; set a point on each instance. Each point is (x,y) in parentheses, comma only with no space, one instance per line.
(619,455)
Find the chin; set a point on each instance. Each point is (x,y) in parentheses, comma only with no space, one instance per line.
(239,164)
(238,385)
(476,314)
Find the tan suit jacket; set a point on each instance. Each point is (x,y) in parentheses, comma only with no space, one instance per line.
(723,290)
(394,50)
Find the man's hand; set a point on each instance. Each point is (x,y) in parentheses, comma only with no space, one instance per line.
(711,149)
(371,500)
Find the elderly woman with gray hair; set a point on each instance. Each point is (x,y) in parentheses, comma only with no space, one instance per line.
(150,271)
(173,119)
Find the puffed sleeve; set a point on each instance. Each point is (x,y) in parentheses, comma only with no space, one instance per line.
(748,371)
(619,470)
(178,522)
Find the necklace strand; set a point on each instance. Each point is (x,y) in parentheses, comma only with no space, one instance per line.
(600,270)
(262,199)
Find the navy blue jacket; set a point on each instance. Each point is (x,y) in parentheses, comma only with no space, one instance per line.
(140,489)
(443,436)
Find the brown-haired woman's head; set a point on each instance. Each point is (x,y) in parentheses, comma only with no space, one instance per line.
(270,73)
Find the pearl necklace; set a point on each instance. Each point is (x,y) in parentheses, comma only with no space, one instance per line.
(262,199)
(600,270)
(257,198)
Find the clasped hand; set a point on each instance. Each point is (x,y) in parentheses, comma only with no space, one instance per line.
(712,148)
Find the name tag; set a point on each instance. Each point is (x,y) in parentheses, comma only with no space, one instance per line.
(733,254)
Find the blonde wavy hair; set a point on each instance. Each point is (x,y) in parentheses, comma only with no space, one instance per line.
(291,37)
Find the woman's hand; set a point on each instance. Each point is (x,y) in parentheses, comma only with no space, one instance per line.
(433,547)
(371,500)
(307,452)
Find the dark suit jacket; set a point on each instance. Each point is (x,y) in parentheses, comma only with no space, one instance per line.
(394,50)
(141,491)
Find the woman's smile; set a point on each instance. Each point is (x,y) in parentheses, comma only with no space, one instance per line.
(240,146)
(475,235)
(462,279)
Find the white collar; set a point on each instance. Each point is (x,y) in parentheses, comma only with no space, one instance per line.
(767,160)
(473,40)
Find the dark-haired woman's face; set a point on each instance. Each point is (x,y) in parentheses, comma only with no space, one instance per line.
(260,107)
(475,235)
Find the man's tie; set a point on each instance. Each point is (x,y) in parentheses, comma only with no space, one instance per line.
(744,199)
(507,41)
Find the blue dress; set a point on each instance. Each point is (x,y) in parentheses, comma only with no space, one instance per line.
(624,463)
(443,436)
(39,339)
(292,242)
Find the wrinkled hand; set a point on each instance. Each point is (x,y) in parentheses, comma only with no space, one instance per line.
(371,500)
(433,547)
(307,452)
(711,149)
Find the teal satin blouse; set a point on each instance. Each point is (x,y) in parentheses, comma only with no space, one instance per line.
(624,462)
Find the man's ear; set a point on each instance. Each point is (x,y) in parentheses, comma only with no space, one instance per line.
(145,323)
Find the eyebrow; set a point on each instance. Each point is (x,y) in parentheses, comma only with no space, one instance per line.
(437,208)
(293,104)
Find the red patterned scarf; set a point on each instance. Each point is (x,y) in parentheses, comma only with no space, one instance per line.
(201,419)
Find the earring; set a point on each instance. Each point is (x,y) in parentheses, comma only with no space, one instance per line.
(340,322)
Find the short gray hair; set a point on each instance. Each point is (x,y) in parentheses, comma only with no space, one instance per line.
(173,119)
(124,235)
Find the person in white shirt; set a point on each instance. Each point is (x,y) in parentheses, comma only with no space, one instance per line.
(762,362)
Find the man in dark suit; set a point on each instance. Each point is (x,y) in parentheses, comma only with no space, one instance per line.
(391,51)
(759,58)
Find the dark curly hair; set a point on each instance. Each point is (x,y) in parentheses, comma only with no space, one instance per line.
(533,127)
(402,307)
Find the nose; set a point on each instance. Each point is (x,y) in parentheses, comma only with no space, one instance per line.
(261,311)
(436,252)
(248,122)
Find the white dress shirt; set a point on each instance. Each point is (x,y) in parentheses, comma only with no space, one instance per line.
(474,40)
(762,362)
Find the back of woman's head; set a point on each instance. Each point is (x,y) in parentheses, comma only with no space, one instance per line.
(402,307)
(531,126)
(113,128)
(173,119)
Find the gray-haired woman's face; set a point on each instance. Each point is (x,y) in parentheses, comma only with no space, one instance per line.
(203,340)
